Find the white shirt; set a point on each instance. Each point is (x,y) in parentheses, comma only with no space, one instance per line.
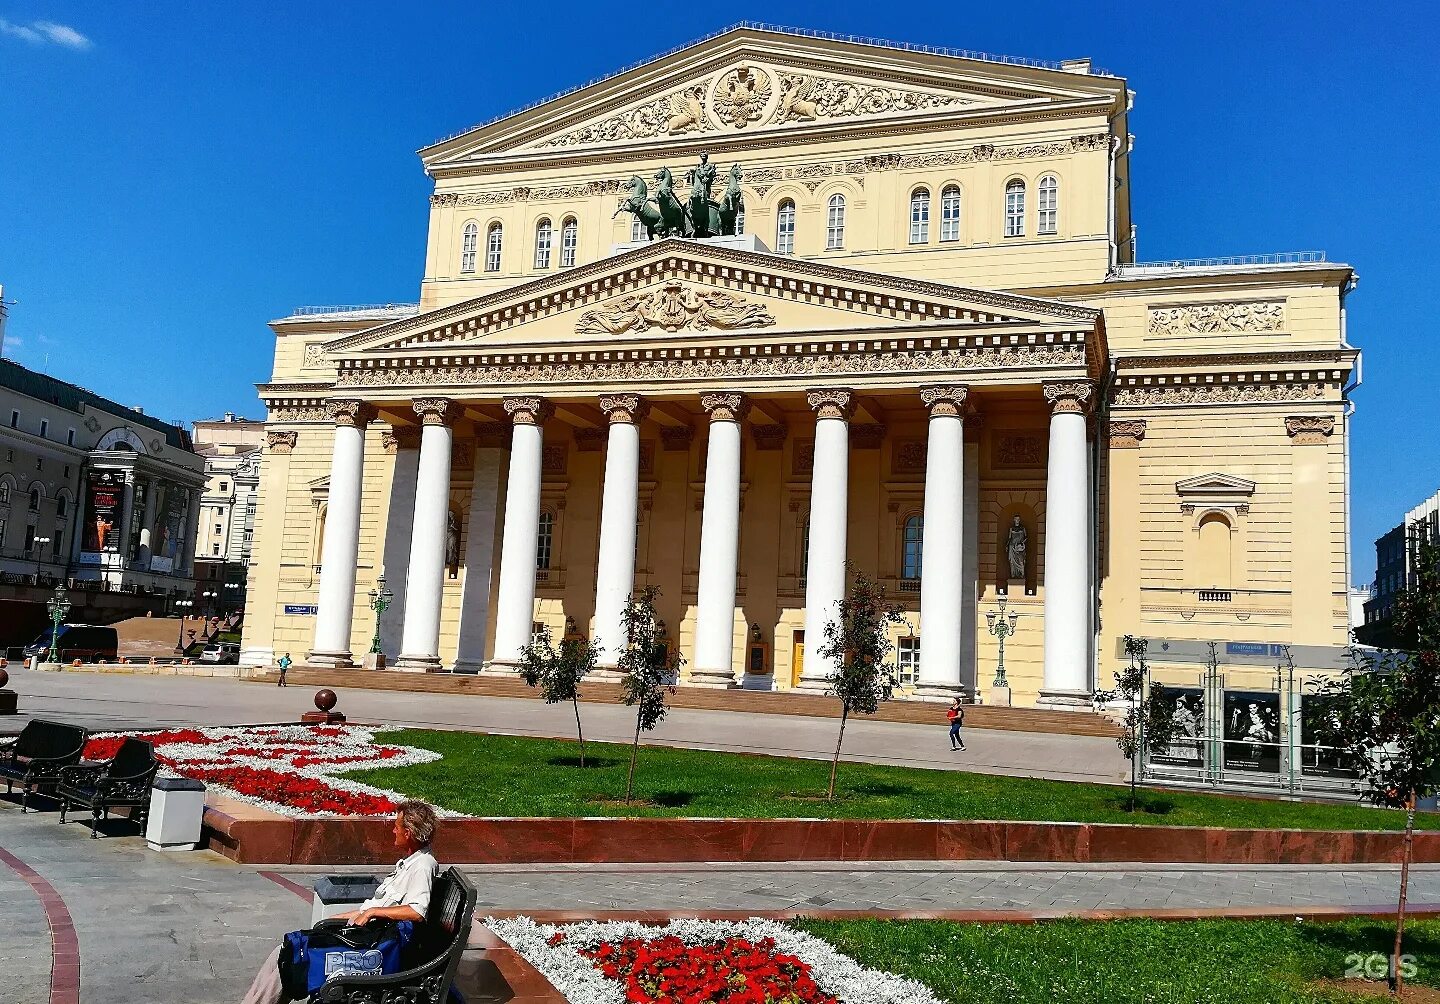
(408,885)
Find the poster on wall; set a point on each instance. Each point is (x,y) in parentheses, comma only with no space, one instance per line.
(1185,707)
(104,499)
(1319,738)
(165,535)
(1252,731)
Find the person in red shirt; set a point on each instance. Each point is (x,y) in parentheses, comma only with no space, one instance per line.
(956,715)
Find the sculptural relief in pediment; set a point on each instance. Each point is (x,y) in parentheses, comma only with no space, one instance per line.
(674,307)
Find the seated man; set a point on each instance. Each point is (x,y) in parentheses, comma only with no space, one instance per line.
(404,895)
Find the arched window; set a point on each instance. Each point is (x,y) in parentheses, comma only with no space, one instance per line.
(60,507)
(950,214)
(785,228)
(467,247)
(637,231)
(920,216)
(835,224)
(4,493)
(1048,209)
(494,242)
(569,240)
(913,548)
(34,499)
(542,244)
(545,540)
(1214,568)
(805,548)
(1015,209)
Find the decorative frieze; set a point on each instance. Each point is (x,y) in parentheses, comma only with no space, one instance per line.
(867,436)
(728,407)
(1240,389)
(831,402)
(1126,434)
(589,440)
(553,458)
(769,437)
(676,438)
(314,356)
(1309,430)
(1017,450)
(672,114)
(908,457)
(491,435)
(281,441)
(802,458)
(1069,397)
(1217,318)
(674,307)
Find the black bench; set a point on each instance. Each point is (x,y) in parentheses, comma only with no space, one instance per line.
(33,759)
(432,956)
(121,782)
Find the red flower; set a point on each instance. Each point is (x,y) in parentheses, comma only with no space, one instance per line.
(735,971)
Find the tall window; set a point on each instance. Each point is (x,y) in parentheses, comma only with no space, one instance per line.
(60,507)
(907,660)
(950,214)
(835,224)
(920,216)
(35,500)
(637,231)
(569,241)
(785,228)
(542,244)
(494,241)
(545,540)
(58,542)
(4,493)
(740,222)
(467,247)
(805,548)
(1048,210)
(1015,209)
(913,547)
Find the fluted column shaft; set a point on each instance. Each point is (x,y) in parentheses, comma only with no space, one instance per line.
(1067,536)
(615,567)
(515,606)
(942,555)
(719,545)
(829,524)
(425,585)
(341,549)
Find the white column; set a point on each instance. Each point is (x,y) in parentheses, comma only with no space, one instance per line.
(1067,546)
(479,553)
(719,545)
(147,522)
(829,523)
(942,557)
(970,563)
(190,533)
(615,565)
(425,583)
(127,516)
(515,608)
(342,536)
(404,443)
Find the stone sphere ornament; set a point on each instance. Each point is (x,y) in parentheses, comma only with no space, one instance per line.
(4,678)
(325,699)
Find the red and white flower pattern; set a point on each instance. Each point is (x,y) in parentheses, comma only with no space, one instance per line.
(289,769)
(750,962)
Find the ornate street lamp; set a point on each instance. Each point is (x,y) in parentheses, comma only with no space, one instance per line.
(182,606)
(59,607)
(39,543)
(1002,627)
(380,598)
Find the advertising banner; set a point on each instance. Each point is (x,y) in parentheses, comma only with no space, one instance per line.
(104,500)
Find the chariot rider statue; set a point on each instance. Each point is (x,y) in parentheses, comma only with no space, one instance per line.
(701,179)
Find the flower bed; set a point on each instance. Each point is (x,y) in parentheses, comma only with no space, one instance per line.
(288,769)
(750,962)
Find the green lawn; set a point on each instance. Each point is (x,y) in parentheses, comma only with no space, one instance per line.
(487,775)
(1158,962)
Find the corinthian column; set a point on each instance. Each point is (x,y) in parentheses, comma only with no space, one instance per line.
(829,523)
(719,544)
(425,585)
(615,567)
(515,607)
(942,554)
(1067,546)
(341,550)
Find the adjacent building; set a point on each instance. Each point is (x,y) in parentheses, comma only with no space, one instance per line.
(230,447)
(921,349)
(1395,558)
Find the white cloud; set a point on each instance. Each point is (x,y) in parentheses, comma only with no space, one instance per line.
(46,33)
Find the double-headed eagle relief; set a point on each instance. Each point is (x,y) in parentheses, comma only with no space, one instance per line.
(698,216)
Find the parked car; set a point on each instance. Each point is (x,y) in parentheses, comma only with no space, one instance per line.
(224,652)
(85,642)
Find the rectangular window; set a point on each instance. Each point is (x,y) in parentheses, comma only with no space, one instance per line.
(59,541)
(70,438)
(29,540)
(14,420)
(44,427)
(2,534)
(219,527)
(907,661)
(215,549)
(224,486)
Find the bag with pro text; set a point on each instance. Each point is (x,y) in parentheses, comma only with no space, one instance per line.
(310,959)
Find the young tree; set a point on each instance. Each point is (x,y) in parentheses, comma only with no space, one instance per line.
(1149,726)
(558,674)
(859,641)
(1387,714)
(648,667)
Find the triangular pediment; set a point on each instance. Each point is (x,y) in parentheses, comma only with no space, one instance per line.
(747,81)
(1211,485)
(680,289)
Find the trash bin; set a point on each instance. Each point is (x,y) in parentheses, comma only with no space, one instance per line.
(177,805)
(341,894)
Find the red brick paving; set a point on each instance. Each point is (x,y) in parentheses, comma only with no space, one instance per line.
(64,945)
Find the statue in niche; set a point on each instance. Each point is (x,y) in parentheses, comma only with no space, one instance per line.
(452,545)
(1016,544)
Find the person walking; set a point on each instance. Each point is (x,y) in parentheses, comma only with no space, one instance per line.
(956,715)
(284,665)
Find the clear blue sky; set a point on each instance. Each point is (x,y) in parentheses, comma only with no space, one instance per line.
(174,175)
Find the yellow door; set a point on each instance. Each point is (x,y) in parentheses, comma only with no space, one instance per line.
(797,659)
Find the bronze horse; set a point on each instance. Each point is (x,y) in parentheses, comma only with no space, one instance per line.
(638,204)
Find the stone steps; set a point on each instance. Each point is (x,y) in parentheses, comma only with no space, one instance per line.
(1077,723)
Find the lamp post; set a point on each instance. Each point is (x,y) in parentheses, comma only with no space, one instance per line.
(59,607)
(380,598)
(1002,626)
(182,606)
(39,543)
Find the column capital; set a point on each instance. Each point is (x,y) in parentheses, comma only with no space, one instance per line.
(490,435)
(528,410)
(432,410)
(404,437)
(1309,430)
(945,401)
(1069,396)
(623,409)
(769,437)
(831,402)
(677,437)
(281,440)
(726,407)
(1126,433)
(350,412)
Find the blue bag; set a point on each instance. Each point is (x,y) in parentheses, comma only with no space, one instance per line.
(310,959)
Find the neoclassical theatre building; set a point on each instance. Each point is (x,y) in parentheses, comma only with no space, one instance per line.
(916,344)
